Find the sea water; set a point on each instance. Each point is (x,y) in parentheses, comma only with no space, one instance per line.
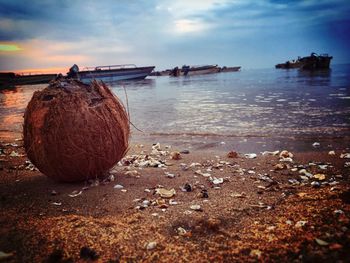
(252,103)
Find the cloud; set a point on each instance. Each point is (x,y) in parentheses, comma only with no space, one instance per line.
(166,32)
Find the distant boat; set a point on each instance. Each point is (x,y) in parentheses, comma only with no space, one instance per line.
(315,61)
(112,73)
(10,78)
(229,69)
(312,62)
(194,70)
(290,64)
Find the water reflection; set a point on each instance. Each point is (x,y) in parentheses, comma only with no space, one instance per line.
(247,103)
(13,102)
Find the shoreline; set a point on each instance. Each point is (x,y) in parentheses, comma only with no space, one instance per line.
(254,211)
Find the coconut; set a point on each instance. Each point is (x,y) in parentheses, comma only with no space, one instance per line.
(75,132)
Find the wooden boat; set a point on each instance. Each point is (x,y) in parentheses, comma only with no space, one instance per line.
(194,70)
(229,69)
(10,78)
(112,73)
(290,64)
(312,62)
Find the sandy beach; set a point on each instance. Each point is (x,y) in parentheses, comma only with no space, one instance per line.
(203,207)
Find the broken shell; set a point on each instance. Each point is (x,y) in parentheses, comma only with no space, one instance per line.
(345,155)
(166,193)
(270,153)
(280,166)
(300,224)
(151,245)
(316,144)
(286,154)
(196,208)
(320,177)
(250,155)
(218,181)
(75,193)
(181,231)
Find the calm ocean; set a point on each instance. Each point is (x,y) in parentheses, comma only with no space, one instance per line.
(256,103)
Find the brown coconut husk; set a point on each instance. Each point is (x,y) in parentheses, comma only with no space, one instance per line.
(74,132)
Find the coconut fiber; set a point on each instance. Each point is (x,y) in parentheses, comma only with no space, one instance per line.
(74,132)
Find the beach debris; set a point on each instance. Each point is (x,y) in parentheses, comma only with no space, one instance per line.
(320,177)
(185,151)
(232,154)
(151,245)
(300,224)
(331,153)
(316,144)
(286,154)
(175,156)
(181,231)
(5,256)
(186,188)
(111,178)
(165,193)
(323,166)
(57,203)
(345,156)
(306,173)
(172,202)
(250,155)
(347,164)
(123,190)
(204,193)
(338,212)
(321,242)
(196,208)
(239,195)
(280,166)
(53,193)
(133,173)
(169,175)
(274,153)
(156,146)
(262,205)
(217,181)
(75,193)
(15,154)
(286,160)
(47,125)
(255,253)
(118,186)
(199,172)
(88,254)
(315,184)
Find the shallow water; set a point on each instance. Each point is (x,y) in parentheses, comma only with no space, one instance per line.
(259,103)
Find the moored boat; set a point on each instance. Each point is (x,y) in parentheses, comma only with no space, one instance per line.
(194,70)
(312,62)
(10,78)
(295,63)
(315,61)
(112,73)
(229,69)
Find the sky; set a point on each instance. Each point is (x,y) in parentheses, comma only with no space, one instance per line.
(54,35)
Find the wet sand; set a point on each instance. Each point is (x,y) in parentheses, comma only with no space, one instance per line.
(253,210)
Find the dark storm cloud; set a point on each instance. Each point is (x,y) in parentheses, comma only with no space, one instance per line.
(64,19)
